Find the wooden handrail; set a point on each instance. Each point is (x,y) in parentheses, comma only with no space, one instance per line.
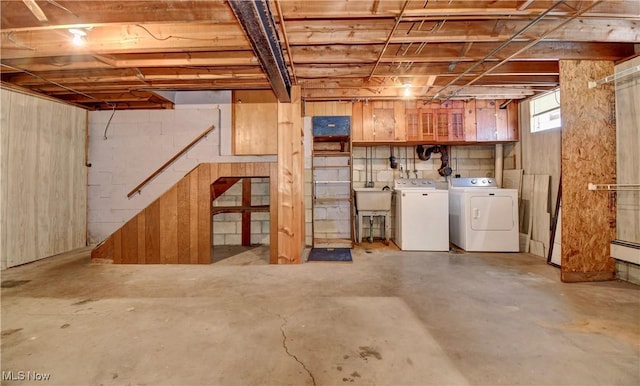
(153,175)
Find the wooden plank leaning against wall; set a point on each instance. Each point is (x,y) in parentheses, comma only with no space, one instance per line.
(588,155)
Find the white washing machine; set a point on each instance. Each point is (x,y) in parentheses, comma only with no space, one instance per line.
(422,215)
(483,217)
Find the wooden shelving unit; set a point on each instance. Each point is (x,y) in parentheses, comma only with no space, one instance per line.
(332,197)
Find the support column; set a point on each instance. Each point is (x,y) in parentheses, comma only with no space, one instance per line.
(588,155)
(290,228)
(499,164)
(246,215)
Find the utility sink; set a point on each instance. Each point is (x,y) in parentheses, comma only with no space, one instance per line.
(369,199)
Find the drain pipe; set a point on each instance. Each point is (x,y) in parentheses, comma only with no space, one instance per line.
(499,163)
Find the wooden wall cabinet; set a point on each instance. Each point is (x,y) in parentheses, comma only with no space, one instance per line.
(255,122)
(449,122)
(495,124)
(379,121)
(435,122)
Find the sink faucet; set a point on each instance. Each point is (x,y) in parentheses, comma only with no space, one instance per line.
(415,172)
(408,171)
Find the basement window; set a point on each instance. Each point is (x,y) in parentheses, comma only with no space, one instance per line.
(545,112)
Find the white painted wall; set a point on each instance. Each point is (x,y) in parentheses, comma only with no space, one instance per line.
(628,165)
(140,141)
(42,178)
(628,156)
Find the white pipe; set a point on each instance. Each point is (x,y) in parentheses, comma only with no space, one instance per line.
(499,163)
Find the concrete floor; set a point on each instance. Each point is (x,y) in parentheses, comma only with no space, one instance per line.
(390,318)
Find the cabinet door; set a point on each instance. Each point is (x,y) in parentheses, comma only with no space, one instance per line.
(456,125)
(368,129)
(442,125)
(255,115)
(507,122)
(399,130)
(428,125)
(356,122)
(384,121)
(412,125)
(486,120)
(470,130)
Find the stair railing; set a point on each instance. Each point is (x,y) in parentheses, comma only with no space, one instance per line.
(153,175)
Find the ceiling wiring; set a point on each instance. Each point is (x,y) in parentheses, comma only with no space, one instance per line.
(172,36)
(10,38)
(112,105)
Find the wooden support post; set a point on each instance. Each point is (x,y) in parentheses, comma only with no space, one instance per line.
(588,155)
(290,226)
(246,216)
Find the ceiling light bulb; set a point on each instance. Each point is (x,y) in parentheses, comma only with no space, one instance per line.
(77,40)
(407,90)
(78,36)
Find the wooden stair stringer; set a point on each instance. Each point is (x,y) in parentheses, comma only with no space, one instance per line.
(176,228)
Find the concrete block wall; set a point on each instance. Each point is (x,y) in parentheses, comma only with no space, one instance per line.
(227,227)
(467,161)
(332,220)
(139,142)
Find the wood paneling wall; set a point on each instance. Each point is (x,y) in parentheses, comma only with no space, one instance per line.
(43,178)
(588,155)
(290,223)
(255,115)
(312,109)
(177,227)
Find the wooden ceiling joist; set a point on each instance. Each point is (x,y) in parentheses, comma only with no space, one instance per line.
(335,49)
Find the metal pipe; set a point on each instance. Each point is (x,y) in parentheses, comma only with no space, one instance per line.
(386,44)
(532,43)
(256,20)
(286,41)
(499,48)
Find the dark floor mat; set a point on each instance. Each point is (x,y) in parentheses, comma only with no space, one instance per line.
(336,255)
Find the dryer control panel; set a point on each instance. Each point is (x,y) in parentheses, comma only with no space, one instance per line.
(471,182)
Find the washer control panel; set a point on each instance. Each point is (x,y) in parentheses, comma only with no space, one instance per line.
(414,183)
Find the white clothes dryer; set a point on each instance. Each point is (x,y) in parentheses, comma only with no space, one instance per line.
(483,217)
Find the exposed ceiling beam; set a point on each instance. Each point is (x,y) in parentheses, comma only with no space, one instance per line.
(36,10)
(122,39)
(446,52)
(257,21)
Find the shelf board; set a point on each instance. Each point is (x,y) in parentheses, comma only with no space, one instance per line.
(321,153)
(331,166)
(239,209)
(331,138)
(331,200)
